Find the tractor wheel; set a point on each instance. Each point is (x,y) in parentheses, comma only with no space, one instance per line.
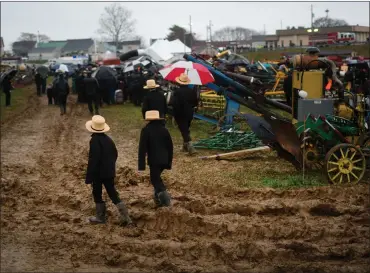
(345,163)
(366,145)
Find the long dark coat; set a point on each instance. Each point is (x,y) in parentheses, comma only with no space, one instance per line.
(184,101)
(102,158)
(156,142)
(155,100)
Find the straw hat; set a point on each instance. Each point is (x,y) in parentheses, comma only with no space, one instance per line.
(59,71)
(183,79)
(97,125)
(152,115)
(150,84)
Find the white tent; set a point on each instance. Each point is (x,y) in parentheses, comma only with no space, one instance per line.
(164,51)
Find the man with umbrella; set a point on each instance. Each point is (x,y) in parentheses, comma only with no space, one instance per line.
(40,79)
(62,90)
(6,85)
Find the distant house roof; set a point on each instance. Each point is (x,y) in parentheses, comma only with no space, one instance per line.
(52,44)
(123,43)
(78,45)
(42,50)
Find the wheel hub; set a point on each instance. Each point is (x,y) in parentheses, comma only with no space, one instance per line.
(345,165)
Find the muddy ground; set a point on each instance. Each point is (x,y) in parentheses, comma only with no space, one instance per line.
(209,228)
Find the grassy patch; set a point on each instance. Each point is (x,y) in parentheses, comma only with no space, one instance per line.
(130,121)
(294,181)
(18,102)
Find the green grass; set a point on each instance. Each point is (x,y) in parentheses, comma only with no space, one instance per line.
(293,181)
(19,101)
(362,50)
(131,119)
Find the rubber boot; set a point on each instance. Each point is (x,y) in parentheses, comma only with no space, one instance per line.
(125,218)
(156,199)
(191,149)
(164,199)
(184,148)
(100,214)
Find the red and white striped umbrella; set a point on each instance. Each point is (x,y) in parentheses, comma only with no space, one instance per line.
(197,73)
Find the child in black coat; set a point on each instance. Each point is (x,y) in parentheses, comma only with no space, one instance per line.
(156,143)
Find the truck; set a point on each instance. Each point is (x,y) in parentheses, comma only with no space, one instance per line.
(332,38)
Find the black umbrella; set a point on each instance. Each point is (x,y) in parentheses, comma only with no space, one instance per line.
(43,71)
(105,73)
(10,74)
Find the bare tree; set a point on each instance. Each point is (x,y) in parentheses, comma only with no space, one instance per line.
(44,38)
(25,36)
(329,22)
(116,23)
(234,34)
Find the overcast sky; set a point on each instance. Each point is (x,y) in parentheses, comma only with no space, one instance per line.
(68,20)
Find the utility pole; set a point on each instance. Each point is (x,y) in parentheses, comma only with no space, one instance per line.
(312,16)
(281,24)
(210,30)
(264,29)
(191,33)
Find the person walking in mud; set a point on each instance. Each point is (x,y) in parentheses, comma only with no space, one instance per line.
(101,170)
(92,93)
(156,143)
(154,100)
(61,88)
(38,82)
(185,99)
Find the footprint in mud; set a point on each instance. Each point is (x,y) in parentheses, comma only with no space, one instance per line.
(325,210)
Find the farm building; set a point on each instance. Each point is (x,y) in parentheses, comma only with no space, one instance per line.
(126,46)
(47,51)
(78,46)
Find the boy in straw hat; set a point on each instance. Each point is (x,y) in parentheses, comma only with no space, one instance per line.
(156,143)
(101,170)
(154,100)
(185,100)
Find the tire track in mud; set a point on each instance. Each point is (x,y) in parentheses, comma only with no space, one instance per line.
(258,230)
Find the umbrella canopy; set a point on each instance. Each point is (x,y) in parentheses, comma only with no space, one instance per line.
(198,74)
(43,71)
(131,66)
(62,67)
(10,74)
(104,73)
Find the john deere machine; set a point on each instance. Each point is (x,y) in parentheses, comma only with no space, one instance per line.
(328,128)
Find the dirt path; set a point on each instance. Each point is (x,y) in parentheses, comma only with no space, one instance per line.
(45,203)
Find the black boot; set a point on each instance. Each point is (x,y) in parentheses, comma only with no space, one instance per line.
(125,218)
(100,214)
(164,199)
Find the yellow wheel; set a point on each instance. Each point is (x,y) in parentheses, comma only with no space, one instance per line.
(345,163)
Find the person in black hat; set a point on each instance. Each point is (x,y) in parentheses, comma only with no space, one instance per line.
(62,90)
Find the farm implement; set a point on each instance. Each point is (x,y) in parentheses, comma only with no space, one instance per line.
(328,129)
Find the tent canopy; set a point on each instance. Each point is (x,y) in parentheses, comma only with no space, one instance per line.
(162,51)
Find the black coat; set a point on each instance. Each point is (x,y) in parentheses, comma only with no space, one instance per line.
(184,101)
(38,79)
(155,100)
(91,86)
(61,87)
(156,143)
(102,158)
(7,85)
